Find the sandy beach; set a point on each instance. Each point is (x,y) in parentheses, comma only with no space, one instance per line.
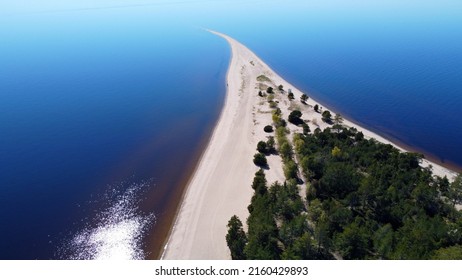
(221,185)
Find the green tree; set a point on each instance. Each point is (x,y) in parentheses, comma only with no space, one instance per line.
(316,107)
(303,248)
(259,183)
(352,243)
(359,136)
(269,90)
(290,96)
(263,241)
(294,117)
(304,98)
(449,253)
(263,232)
(338,181)
(417,239)
(455,191)
(260,160)
(278,121)
(286,150)
(280,87)
(336,152)
(383,241)
(299,144)
(262,147)
(290,170)
(306,129)
(326,116)
(338,119)
(236,238)
(271,145)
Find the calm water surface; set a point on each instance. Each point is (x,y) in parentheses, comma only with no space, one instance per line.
(105,106)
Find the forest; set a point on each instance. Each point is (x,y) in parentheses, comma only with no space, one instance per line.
(363,200)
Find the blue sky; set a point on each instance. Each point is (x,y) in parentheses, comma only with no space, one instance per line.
(26,6)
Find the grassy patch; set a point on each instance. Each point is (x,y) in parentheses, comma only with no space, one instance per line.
(263,78)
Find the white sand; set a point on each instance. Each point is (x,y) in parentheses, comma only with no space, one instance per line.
(221,185)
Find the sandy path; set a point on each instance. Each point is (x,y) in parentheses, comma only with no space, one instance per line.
(220,187)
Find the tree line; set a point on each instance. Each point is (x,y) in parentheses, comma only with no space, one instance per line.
(364,200)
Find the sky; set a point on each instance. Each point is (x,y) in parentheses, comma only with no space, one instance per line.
(8,7)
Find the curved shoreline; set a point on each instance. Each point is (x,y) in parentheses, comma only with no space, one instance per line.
(220,184)
(161,254)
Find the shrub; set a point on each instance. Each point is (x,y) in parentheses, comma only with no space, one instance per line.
(306,129)
(286,150)
(261,147)
(268,128)
(338,119)
(290,170)
(316,107)
(294,117)
(290,96)
(260,160)
(304,98)
(278,121)
(269,90)
(326,116)
(270,145)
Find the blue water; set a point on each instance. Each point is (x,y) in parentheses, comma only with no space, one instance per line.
(94,103)
(105,105)
(396,71)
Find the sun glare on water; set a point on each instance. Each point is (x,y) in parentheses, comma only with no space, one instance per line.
(117,234)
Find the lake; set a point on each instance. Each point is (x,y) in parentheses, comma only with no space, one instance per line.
(105,108)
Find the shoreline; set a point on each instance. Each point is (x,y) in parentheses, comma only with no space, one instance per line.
(219,186)
(402,146)
(193,171)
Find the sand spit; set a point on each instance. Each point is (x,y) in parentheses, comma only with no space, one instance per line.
(220,186)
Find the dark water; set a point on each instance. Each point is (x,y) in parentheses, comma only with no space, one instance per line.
(93,107)
(394,67)
(105,106)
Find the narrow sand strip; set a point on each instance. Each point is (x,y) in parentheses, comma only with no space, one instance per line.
(220,187)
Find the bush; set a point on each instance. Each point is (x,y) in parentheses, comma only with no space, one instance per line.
(306,129)
(260,160)
(280,87)
(269,90)
(270,145)
(278,121)
(290,96)
(316,107)
(326,116)
(290,170)
(286,150)
(304,98)
(294,117)
(262,147)
(268,128)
